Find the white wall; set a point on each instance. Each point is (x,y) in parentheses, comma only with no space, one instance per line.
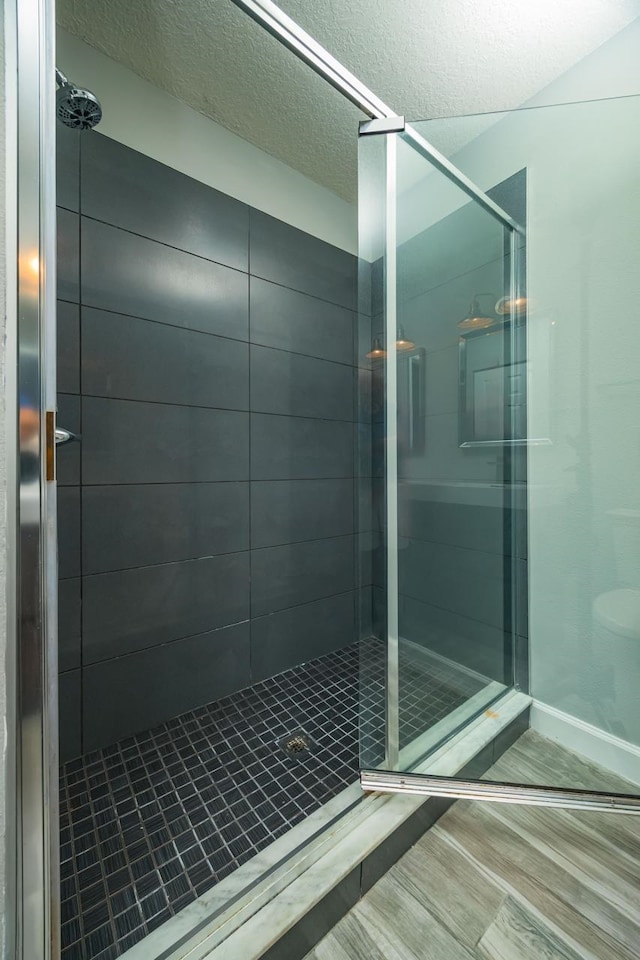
(151,121)
(584,371)
(613,70)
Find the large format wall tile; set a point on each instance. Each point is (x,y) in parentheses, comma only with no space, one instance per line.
(129,442)
(285,511)
(370,449)
(297,573)
(290,320)
(69,532)
(467,582)
(132,526)
(67,167)
(68,454)
(134,359)
(364,612)
(69,626)
(470,525)
(133,609)
(68,347)
(379,613)
(130,190)
(68,253)
(162,523)
(70,714)
(130,274)
(364,500)
(295,259)
(472,644)
(299,386)
(289,448)
(132,693)
(450,250)
(364,409)
(367,546)
(511,195)
(292,636)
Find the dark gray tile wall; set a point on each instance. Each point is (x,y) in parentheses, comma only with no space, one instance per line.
(301,262)
(143,278)
(124,187)
(163,681)
(136,525)
(207,528)
(127,441)
(300,324)
(126,358)
(288,511)
(68,253)
(68,343)
(140,607)
(277,639)
(297,573)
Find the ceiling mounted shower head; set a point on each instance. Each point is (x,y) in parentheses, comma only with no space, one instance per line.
(76,108)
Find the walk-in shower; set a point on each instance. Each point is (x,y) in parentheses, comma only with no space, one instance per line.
(330,514)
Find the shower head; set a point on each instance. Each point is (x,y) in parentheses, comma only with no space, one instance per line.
(76,108)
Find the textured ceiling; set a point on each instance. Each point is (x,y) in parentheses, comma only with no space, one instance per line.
(425,59)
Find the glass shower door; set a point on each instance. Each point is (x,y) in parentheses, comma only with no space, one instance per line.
(450,558)
(448,306)
(441,362)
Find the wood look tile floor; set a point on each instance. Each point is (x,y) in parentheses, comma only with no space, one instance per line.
(497,881)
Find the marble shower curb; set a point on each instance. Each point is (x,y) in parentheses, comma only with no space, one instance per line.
(257,921)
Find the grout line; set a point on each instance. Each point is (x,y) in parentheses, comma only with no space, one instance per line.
(208,556)
(198,406)
(155,483)
(168,483)
(226,626)
(231,553)
(212,333)
(226,266)
(501,555)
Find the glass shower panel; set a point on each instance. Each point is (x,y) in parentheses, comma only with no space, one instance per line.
(372,447)
(449,390)
(452,367)
(518,543)
(584,353)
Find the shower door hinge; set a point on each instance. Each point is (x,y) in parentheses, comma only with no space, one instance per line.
(383,125)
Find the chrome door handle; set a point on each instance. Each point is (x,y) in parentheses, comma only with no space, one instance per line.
(65,436)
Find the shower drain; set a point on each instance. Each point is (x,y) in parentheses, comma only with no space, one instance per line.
(296,744)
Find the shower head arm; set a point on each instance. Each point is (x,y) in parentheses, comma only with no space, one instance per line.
(61,80)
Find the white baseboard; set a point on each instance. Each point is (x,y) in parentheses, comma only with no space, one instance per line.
(604,748)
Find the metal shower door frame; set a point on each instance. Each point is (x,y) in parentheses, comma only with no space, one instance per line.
(32,681)
(388,778)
